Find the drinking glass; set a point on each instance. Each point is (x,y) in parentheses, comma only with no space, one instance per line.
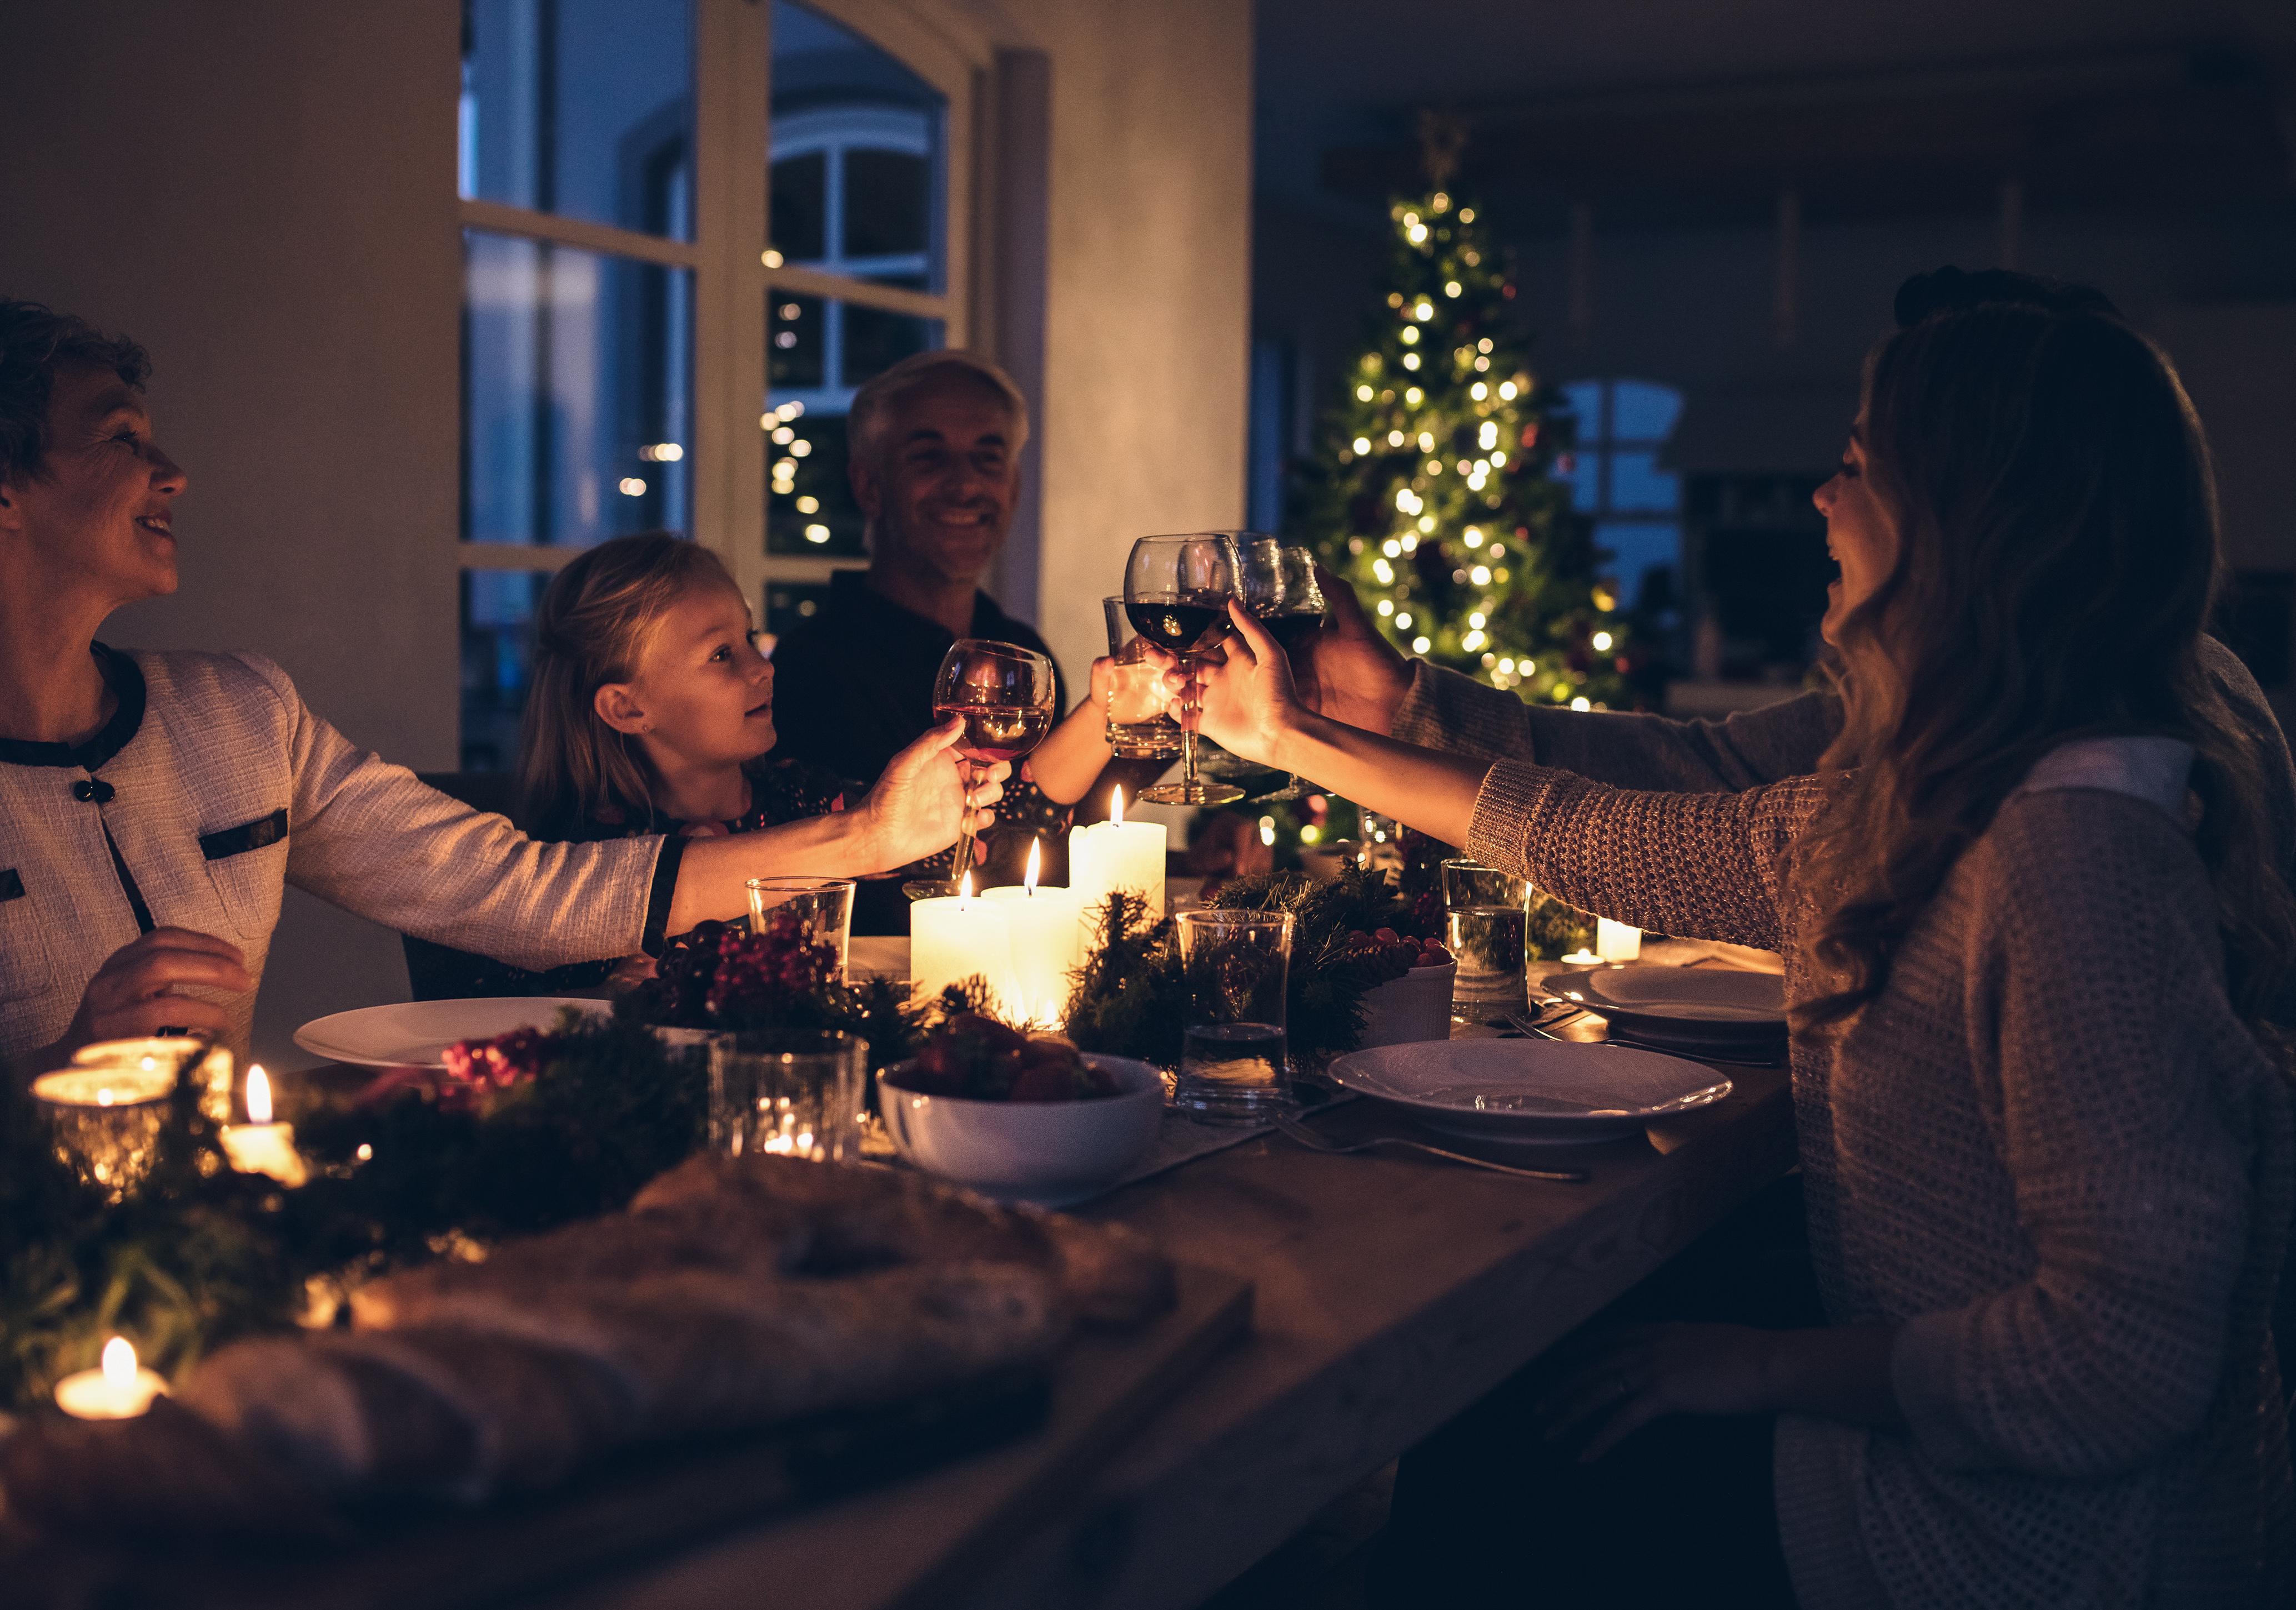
(1139,727)
(792,1103)
(1488,914)
(825,905)
(1176,594)
(1232,1062)
(1006,695)
(1276,578)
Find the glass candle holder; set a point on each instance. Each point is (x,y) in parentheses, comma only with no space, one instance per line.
(106,1111)
(792,1103)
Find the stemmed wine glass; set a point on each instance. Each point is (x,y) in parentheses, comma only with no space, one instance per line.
(1006,696)
(1276,579)
(1176,593)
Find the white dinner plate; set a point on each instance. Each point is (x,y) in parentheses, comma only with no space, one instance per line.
(1683,1005)
(416,1034)
(1528,1090)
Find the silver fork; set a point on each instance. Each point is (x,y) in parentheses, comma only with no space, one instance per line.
(1309,1139)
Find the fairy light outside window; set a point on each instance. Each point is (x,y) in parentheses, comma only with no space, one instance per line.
(619,319)
(1617,476)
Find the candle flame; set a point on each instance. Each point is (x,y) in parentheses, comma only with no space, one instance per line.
(258,1095)
(1036,860)
(119,1362)
(965,885)
(1116,808)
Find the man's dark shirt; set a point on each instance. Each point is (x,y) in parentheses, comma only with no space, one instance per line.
(853,687)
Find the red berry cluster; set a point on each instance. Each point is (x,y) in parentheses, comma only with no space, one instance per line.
(779,965)
(1397,955)
(478,1069)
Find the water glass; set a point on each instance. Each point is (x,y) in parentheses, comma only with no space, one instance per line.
(1232,1061)
(792,1103)
(1488,914)
(825,905)
(1139,725)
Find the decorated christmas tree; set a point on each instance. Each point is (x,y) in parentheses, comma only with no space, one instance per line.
(1431,490)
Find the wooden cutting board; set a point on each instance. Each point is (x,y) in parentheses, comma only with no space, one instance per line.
(902,1501)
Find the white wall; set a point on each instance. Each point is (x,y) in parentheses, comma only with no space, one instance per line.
(264,193)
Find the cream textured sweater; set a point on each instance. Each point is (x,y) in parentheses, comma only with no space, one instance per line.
(2048,1153)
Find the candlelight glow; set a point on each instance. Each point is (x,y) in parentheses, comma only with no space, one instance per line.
(258,1095)
(1035,861)
(965,885)
(1116,810)
(120,1363)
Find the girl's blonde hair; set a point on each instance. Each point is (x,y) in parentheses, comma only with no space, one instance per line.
(594,623)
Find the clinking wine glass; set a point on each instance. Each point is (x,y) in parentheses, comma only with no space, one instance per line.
(1007,696)
(1176,593)
(1276,579)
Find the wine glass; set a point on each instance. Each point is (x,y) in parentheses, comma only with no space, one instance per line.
(1176,593)
(1006,696)
(1276,578)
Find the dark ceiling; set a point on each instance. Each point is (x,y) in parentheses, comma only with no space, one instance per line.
(1703,110)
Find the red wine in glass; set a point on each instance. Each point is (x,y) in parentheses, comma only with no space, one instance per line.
(997,732)
(1182,622)
(1293,628)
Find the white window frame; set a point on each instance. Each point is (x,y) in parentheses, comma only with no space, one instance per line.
(734,270)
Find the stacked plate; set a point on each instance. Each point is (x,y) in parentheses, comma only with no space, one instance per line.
(1717,1012)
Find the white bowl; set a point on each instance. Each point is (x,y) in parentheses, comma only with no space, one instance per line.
(1048,1152)
(1413,1007)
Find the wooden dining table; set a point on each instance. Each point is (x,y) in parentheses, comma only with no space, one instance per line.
(1389,1291)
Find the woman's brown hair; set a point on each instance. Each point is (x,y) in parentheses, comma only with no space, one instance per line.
(593,626)
(2057,561)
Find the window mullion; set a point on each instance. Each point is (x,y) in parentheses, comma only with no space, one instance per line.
(731,56)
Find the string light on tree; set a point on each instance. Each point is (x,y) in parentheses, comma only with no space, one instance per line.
(1432,487)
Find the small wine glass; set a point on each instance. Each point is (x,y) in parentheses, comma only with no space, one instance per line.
(1175,591)
(1276,578)
(1007,695)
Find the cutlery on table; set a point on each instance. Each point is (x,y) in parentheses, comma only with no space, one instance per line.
(1309,1137)
(1533,1027)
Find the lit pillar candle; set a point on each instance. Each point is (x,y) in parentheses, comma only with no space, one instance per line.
(956,936)
(1616,941)
(1047,935)
(1104,856)
(119,1390)
(260,1146)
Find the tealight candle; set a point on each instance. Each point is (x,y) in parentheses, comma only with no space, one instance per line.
(119,1389)
(107,1118)
(1104,856)
(1048,943)
(260,1146)
(1582,958)
(955,937)
(1616,941)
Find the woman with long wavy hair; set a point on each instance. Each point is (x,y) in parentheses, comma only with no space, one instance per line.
(2033,921)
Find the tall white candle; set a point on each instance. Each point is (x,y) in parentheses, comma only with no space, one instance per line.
(956,936)
(1048,943)
(1616,941)
(1116,854)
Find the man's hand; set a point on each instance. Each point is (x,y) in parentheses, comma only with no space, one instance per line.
(1346,670)
(918,807)
(1640,1372)
(136,992)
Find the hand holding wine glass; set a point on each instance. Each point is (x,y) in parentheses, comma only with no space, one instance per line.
(1005,697)
(1246,699)
(1276,581)
(1176,593)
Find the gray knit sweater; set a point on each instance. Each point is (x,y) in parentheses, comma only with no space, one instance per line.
(2048,1153)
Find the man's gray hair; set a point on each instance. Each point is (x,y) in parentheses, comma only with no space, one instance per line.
(875,404)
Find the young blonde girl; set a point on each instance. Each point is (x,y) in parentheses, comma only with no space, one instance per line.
(652,712)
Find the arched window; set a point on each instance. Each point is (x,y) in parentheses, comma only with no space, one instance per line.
(691,228)
(1617,477)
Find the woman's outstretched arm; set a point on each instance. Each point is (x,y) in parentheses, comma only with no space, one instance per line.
(1704,865)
